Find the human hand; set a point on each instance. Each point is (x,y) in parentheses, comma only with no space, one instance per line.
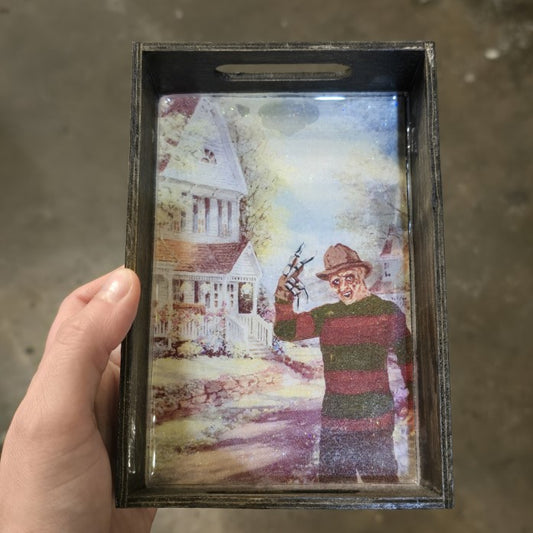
(55,468)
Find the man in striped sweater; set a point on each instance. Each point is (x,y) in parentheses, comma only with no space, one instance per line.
(357,334)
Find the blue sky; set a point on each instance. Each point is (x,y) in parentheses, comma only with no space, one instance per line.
(316,139)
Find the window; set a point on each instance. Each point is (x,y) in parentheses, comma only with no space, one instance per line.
(230,218)
(196,292)
(231,294)
(178,290)
(161,290)
(216,294)
(207,207)
(209,157)
(183,212)
(219,218)
(195,202)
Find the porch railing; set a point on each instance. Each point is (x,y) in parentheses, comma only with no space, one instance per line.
(239,328)
(236,331)
(258,328)
(160,329)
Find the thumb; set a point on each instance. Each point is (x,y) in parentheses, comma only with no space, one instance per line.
(86,330)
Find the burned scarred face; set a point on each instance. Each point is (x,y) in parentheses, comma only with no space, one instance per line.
(349,285)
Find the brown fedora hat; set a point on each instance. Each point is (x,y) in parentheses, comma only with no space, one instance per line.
(340,257)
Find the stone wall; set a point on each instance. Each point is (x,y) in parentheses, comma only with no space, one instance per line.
(171,402)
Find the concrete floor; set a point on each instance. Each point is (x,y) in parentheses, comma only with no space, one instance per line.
(64,119)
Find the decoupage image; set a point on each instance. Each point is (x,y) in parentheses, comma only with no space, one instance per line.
(281,349)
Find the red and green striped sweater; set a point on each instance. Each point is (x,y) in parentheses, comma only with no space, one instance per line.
(355,341)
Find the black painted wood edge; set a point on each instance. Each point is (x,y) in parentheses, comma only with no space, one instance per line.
(132,492)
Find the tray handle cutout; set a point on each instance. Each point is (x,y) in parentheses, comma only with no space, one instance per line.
(283,71)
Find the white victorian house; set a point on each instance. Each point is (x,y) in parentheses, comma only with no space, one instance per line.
(203,269)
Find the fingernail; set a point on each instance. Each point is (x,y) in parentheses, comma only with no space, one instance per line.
(116,286)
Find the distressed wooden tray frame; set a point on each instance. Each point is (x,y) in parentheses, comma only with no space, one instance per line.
(409,68)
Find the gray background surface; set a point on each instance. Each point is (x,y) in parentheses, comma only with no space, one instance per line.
(64,121)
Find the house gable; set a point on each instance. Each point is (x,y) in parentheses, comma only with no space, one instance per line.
(215,164)
(247,264)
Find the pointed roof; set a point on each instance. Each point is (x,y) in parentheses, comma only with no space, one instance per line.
(206,129)
(198,257)
(393,244)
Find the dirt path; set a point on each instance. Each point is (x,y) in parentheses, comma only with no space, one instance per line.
(279,447)
(291,436)
(265,430)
